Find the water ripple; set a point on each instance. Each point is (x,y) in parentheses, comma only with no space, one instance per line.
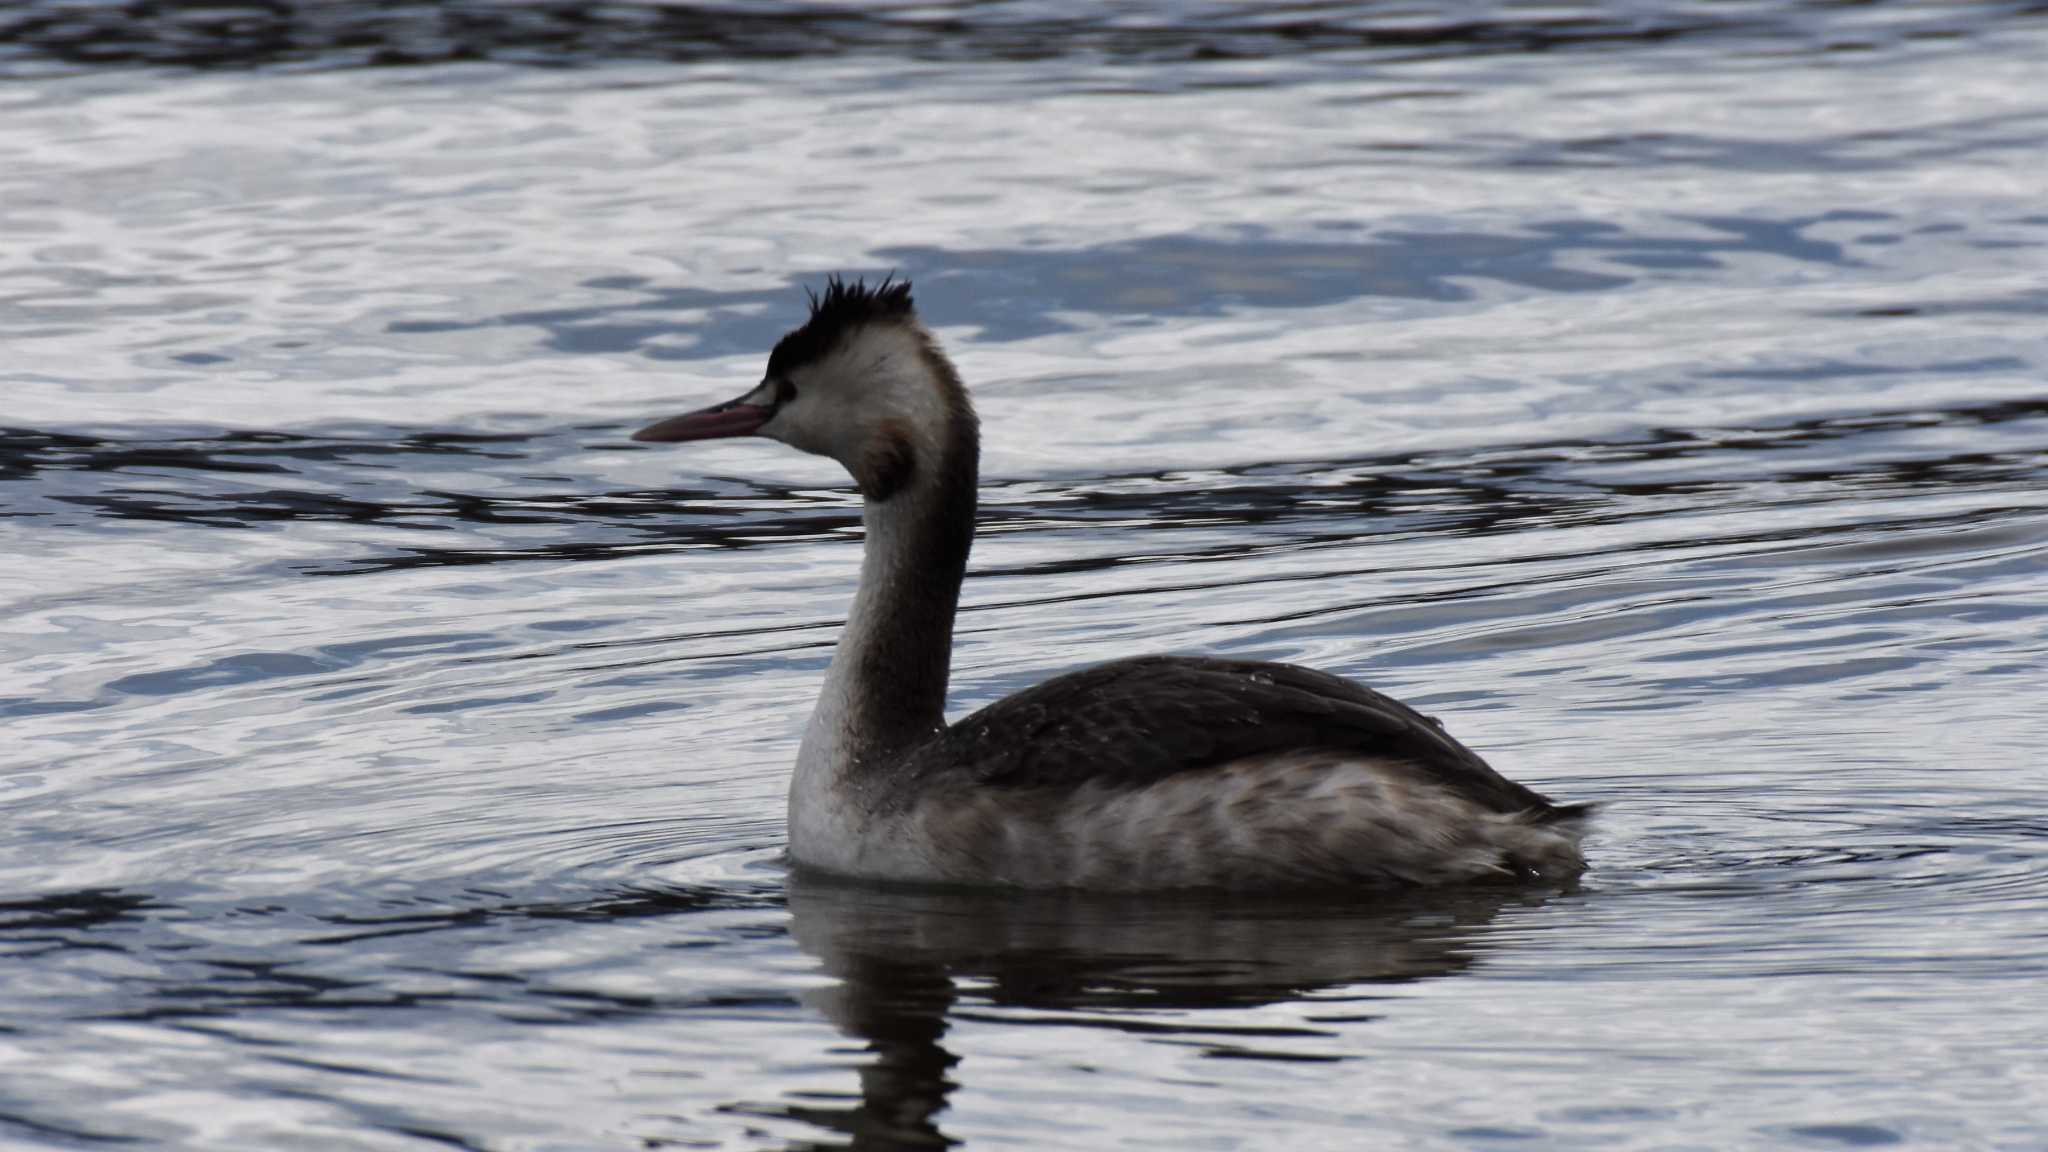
(197,34)
(394,753)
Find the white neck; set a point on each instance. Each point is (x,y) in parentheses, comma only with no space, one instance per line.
(886,689)
(839,723)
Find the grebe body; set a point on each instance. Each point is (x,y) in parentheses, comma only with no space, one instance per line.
(1158,772)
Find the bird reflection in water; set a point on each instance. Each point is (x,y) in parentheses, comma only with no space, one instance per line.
(900,957)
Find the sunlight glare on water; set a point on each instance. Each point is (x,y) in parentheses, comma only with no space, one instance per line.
(393,755)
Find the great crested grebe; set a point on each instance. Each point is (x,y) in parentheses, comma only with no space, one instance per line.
(1153,772)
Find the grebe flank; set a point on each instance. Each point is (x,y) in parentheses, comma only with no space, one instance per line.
(1154,772)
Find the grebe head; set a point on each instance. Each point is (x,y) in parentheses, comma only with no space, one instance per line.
(862,381)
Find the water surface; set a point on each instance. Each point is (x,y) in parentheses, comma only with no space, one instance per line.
(392,755)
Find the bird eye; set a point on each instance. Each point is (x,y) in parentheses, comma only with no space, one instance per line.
(784,391)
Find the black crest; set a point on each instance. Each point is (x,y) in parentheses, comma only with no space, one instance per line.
(842,309)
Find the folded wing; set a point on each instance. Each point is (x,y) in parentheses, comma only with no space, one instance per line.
(1130,723)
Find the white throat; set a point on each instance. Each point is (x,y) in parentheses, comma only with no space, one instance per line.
(832,740)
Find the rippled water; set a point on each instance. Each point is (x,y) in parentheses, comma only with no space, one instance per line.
(391,755)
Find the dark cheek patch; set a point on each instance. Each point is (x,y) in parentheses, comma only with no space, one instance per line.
(890,464)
